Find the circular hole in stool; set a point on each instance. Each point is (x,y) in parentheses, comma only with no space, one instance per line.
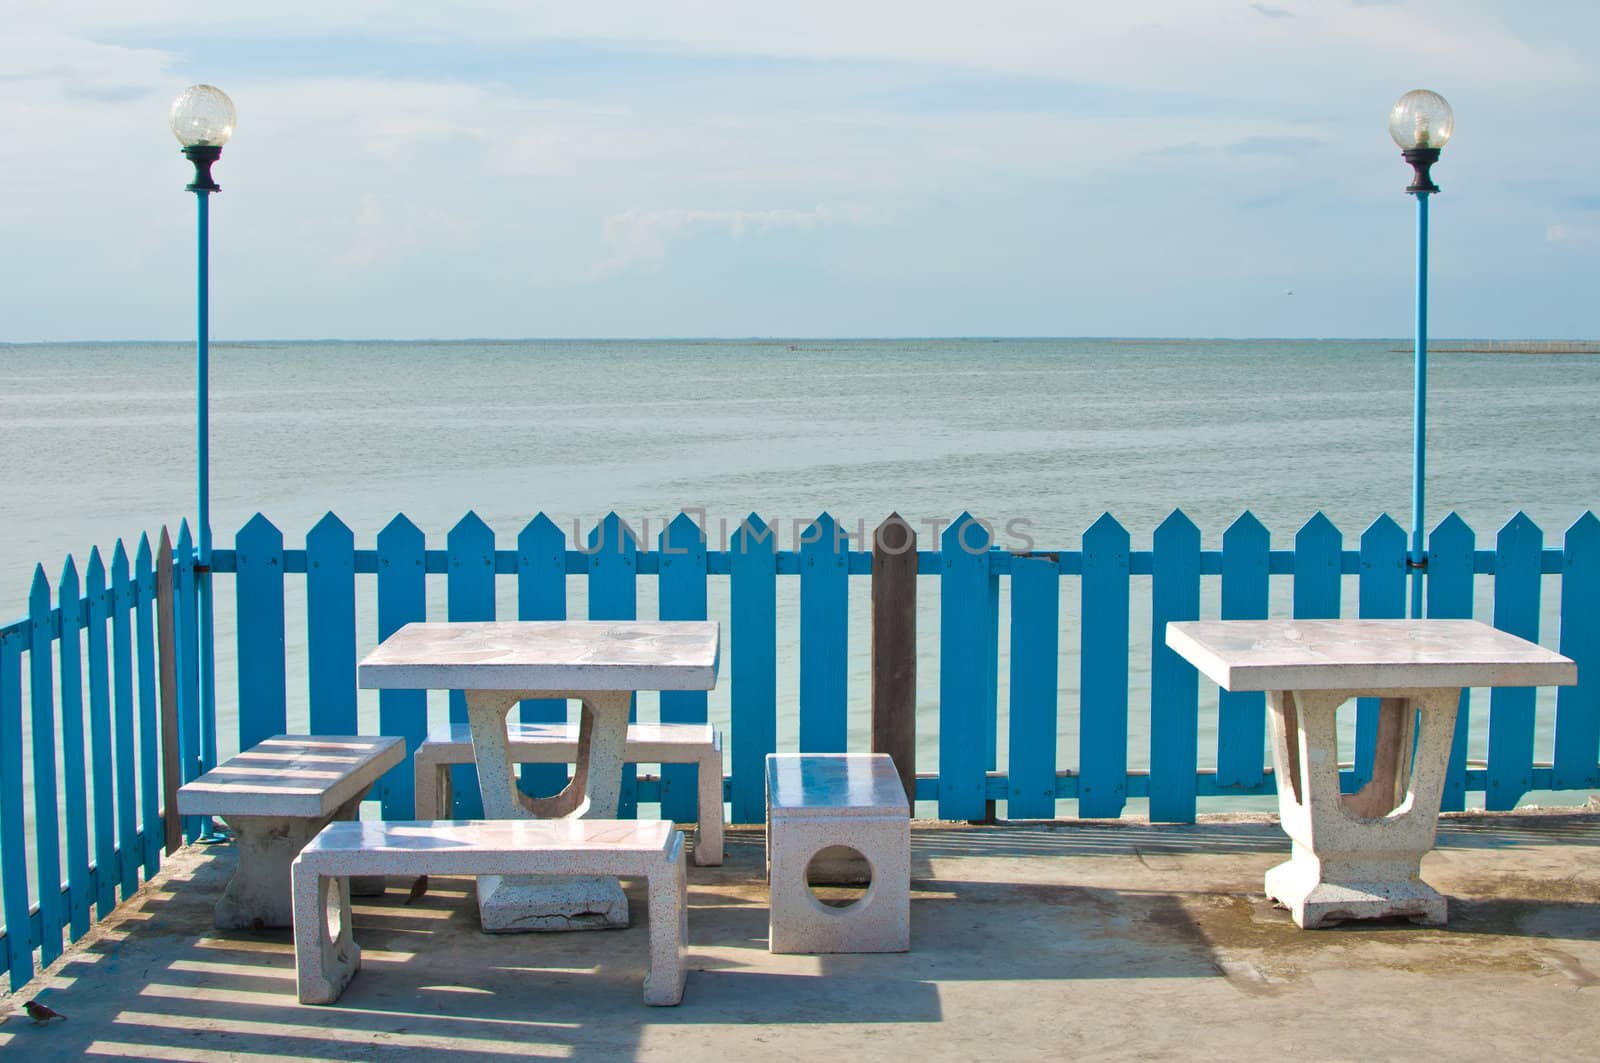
(332,915)
(839,876)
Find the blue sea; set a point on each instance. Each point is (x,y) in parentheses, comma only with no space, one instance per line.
(1042,434)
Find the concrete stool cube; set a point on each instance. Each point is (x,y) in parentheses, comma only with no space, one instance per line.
(557,743)
(276,796)
(326,956)
(819,800)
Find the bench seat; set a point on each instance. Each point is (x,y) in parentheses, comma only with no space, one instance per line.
(815,802)
(276,796)
(327,957)
(557,743)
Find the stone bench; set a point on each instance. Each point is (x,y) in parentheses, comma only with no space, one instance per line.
(818,801)
(275,797)
(327,957)
(557,743)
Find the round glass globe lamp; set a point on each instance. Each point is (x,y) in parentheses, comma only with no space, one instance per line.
(202,116)
(1421,119)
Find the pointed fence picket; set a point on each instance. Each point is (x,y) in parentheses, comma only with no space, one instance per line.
(402,599)
(1035,629)
(542,595)
(46,821)
(15,844)
(753,663)
(1241,715)
(1318,562)
(187,619)
(963,669)
(1103,671)
(144,576)
(110,667)
(469,596)
(1451,553)
(1174,682)
(613,595)
(1380,595)
(103,773)
(331,626)
(69,655)
(824,637)
(1519,554)
(1578,707)
(122,609)
(263,701)
(682,596)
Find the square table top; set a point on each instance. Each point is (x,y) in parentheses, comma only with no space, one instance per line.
(304,776)
(1365,655)
(547,655)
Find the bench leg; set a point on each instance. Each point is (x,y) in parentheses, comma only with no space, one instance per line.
(431,787)
(669,930)
(326,956)
(708,832)
(258,894)
(361,885)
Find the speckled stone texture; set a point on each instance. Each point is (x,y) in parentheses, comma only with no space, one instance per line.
(1359,856)
(327,957)
(1364,655)
(517,905)
(275,797)
(546,655)
(557,743)
(498,664)
(819,800)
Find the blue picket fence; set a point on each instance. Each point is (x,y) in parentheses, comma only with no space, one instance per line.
(968,582)
(118,766)
(104,734)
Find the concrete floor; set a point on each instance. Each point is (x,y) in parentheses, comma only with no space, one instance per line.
(1059,941)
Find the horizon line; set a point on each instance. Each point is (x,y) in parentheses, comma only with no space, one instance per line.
(1432,340)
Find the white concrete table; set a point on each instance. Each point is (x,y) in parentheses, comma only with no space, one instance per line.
(499,663)
(1358,856)
(276,796)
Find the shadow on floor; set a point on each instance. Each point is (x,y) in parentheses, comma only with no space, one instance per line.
(163,984)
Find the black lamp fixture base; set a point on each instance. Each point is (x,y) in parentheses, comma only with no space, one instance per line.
(1421,159)
(203,155)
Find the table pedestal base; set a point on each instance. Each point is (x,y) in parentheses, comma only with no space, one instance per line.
(1317,899)
(1359,856)
(514,904)
(521,903)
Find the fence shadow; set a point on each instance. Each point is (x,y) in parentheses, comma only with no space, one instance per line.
(159,982)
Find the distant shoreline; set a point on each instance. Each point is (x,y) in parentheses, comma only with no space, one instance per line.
(1511,347)
(1446,346)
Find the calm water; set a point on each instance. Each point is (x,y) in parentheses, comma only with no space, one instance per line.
(98,443)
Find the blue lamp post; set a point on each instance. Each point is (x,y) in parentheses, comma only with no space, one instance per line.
(1421,123)
(202,119)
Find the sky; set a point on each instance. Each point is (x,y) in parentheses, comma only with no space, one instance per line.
(634,168)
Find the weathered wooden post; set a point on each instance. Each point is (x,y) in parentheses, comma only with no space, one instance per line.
(894,647)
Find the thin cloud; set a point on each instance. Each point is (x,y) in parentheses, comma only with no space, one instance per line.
(639,236)
(1571,235)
